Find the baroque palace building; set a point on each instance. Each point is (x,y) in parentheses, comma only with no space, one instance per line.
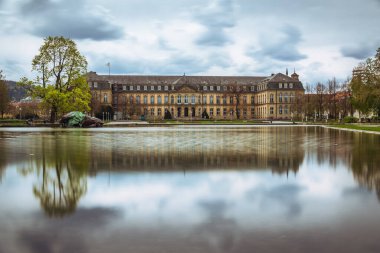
(196,97)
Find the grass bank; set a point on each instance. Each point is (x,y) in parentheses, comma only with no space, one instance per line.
(374,128)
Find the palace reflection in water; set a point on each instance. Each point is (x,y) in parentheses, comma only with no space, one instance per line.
(165,177)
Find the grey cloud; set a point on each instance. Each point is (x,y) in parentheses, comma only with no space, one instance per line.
(284,195)
(70,18)
(359,52)
(216,19)
(64,233)
(283,48)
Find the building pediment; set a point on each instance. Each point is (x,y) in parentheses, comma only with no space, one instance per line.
(186,89)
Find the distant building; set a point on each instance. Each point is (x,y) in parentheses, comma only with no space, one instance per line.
(196,97)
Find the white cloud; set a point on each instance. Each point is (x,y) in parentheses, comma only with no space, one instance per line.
(230,37)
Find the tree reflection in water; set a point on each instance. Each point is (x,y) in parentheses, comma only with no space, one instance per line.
(60,189)
(365,163)
(62,174)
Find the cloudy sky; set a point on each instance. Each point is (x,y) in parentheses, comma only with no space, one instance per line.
(320,39)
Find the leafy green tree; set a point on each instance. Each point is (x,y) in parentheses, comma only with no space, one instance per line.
(4,96)
(365,86)
(61,82)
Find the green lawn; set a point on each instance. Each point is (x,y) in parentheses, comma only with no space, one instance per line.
(375,128)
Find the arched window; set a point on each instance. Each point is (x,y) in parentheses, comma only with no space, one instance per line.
(280,109)
(252,100)
(192,99)
(152,100)
(211,100)
(166,99)
(138,99)
(105,98)
(179,99)
(172,99)
(131,99)
(280,98)
(159,101)
(204,100)
(186,99)
(271,99)
(286,109)
(145,99)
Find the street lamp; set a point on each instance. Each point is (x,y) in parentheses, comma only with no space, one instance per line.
(20,112)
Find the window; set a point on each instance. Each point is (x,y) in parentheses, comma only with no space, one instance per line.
(291,85)
(271,110)
(291,97)
(159,111)
(105,98)
(225,88)
(199,99)
(244,88)
(252,88)
(218,100)
(204,100)
(245,100)
(286,97)
(280,85)
(218,88)
(115,100)
(280,109)
(271,98)
(193,99)
(186,99)
(131,99)
(286,109)
(166,87)
(152,111)
(151,87)
(159,87)
(138,100)
(131,87)
(159,101)
(152,100)
(204,87)
(211,88)
(145,99)
(245,112)
(224,100)
(124,87)
(280,98)
(211,111)
(95,85)
(211,100)
(166,99)
(145,87)
(217,111)
(179,99)
(231,100)
(252,100)
(138,87)
(285,85)
(172,99)
(224,112)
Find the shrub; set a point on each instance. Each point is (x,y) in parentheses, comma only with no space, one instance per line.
(350,119)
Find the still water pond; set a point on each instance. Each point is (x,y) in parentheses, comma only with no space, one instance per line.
(189,189)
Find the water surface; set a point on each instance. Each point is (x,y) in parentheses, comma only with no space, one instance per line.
(189,189)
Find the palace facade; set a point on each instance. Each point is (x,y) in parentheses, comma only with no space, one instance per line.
(195,97)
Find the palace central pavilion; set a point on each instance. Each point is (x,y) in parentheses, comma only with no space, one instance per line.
(194,97)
